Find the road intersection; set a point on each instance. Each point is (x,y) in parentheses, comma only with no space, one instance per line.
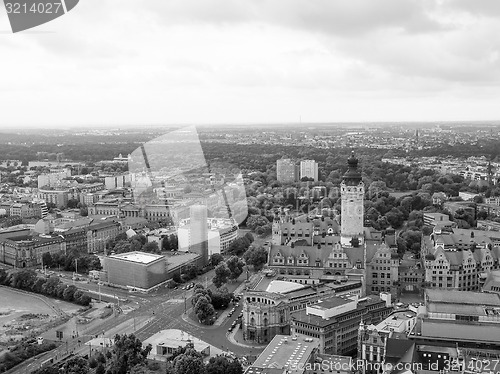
(160,310)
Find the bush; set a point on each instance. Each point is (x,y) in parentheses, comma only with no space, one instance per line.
(100,369)
(92,363)
(22,352)
(53,287)
(101,358)
(154,366)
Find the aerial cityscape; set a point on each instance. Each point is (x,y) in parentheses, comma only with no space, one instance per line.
(360,255)
(259,187)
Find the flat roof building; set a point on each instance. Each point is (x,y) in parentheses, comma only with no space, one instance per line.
(221,232)
(136,269)
(323,364)
(434,219)
(335,320)
(309,169)
(140,257)
(285,354)
(166,342)
(287,171)
(460,317)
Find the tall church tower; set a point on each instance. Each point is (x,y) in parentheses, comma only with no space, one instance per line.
(352,192)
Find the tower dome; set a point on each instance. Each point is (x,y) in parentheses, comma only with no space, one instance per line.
(352,177)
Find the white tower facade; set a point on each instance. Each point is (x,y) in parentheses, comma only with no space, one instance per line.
(352,192)
(198,231)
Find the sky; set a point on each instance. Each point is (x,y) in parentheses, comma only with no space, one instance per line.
(124,62)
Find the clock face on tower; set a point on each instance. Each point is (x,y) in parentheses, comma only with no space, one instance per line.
(359,210)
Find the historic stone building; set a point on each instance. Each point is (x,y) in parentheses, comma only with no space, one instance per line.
(460,259)
(266,314)
(352,190)
(153,212)
(99,232)
(382,271)
(76,240)
(27,251)
(312,250)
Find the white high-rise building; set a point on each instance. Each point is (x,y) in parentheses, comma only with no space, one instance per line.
(53,178)
(309,169)
(198,231)
(352,190)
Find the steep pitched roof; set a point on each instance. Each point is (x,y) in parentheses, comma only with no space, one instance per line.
(313,253)
(493,280)
(399,350)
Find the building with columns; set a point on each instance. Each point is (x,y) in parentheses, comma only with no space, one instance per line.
(266,313)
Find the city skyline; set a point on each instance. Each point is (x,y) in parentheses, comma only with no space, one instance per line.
(264,187)
(358,258)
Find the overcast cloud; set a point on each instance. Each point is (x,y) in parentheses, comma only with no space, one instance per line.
(254,61)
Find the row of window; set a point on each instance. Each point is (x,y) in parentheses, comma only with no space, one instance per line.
(381,282)
(381,289)
(382,275)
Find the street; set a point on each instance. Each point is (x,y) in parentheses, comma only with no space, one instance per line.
(161,310)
